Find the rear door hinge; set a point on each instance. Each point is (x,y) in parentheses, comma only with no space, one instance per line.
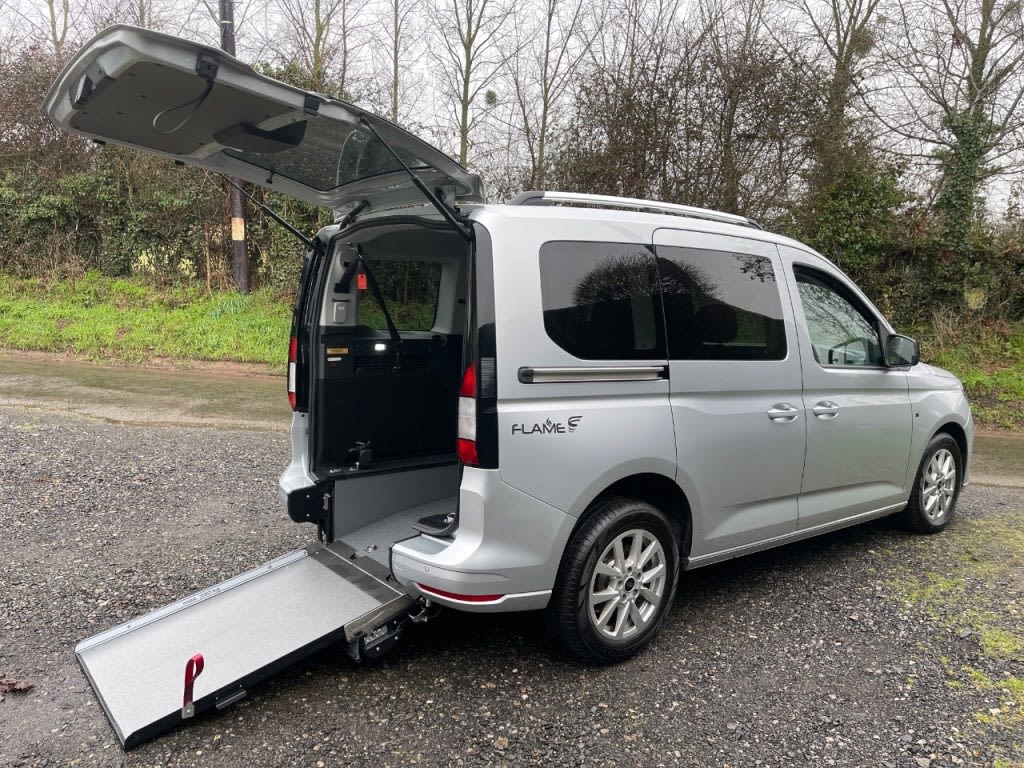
(207,65)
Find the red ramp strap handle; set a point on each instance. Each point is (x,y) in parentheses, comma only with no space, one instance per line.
(193,669)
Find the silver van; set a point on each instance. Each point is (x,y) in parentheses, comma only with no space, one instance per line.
(558,403)
(609,392)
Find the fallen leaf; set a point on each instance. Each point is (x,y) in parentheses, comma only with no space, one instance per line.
(9,684)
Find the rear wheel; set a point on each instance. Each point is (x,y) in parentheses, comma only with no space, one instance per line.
(617,581)
(936,487)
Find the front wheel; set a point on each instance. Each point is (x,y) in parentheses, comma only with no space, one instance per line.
(936,487)
(617,581)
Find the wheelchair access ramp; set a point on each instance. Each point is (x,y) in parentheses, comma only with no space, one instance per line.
(203,652)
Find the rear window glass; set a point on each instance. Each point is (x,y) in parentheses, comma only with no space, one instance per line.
(317,161)
(721,305)
(601,300)
(409,289)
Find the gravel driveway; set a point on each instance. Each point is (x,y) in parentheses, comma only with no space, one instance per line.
(852,649)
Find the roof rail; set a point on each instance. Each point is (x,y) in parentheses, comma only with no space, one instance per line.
(628,203)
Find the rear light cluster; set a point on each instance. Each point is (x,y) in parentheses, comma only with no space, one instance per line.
(467,419)
(293,356)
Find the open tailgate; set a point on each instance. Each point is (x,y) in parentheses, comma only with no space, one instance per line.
(200,106)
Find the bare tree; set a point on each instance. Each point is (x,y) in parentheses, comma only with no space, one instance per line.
(473,45)
(59,17)
(843,32)
(549,54)
(399,23)
(141,13)
(761,110)
(956,91)
(628,104)
(321,38)
(398,86)
(398,19)
(28,24)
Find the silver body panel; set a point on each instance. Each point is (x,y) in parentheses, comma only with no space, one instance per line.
(719,409)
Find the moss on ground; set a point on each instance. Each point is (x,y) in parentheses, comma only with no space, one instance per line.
(970,581)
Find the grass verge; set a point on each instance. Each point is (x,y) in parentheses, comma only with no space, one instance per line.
(990,363)
(130,320)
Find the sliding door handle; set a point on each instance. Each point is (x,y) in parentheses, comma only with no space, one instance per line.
(783,413)
(825,410)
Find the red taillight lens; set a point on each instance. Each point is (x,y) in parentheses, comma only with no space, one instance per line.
(467,452)
(293,356)
(468,386)
(467,419)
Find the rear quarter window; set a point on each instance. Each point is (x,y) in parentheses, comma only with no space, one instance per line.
(601,300)
(721,305)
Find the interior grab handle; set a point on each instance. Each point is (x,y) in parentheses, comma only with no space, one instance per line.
(783,412)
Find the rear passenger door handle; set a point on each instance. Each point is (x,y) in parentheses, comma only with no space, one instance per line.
(825,410)
(783,412)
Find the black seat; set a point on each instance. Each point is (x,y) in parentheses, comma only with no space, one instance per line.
(716,326)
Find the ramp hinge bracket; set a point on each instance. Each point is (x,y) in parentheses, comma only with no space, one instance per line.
(323,520)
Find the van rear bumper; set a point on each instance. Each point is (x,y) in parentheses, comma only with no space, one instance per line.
(501,603)
(511,568)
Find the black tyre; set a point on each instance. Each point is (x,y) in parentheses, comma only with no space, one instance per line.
(616,582)
(936,487)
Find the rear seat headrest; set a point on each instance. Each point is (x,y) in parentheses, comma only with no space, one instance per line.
(717,323)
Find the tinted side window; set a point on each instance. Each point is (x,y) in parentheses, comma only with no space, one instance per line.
(841,333)
(721,305)
(601,300)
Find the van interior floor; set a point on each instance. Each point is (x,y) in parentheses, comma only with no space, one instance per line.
(375,540)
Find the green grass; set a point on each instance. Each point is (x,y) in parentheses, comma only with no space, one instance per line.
(128,319)
(990,363)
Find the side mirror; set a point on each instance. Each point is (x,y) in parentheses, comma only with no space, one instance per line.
(900,351)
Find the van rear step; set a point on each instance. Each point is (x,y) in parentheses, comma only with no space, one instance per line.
(222,640)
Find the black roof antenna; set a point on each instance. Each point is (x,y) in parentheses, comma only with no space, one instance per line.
(445,211)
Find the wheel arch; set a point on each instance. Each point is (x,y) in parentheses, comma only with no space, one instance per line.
(657,490)
(957,432)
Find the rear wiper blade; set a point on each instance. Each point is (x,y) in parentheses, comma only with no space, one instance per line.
(269,211)
(446,212)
